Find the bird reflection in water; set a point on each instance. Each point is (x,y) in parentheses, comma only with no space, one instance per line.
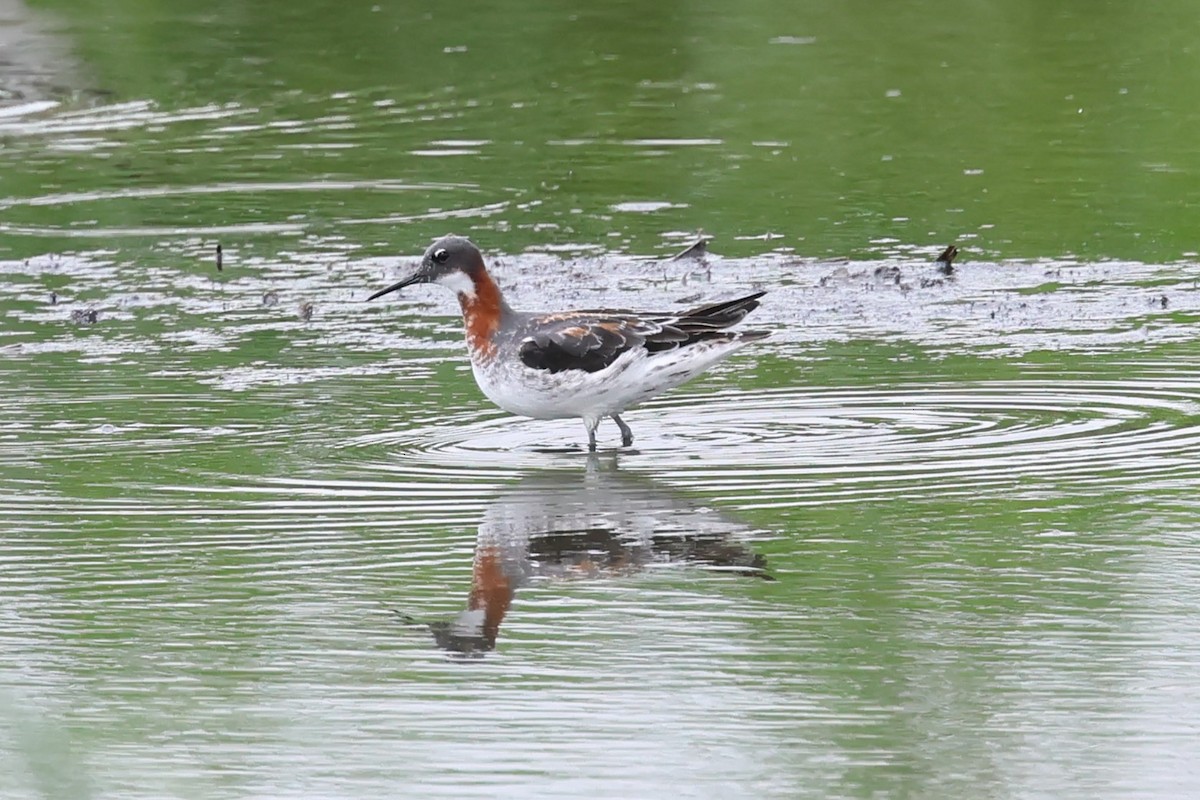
(598,524)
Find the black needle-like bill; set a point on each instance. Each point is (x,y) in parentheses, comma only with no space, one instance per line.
(409,281)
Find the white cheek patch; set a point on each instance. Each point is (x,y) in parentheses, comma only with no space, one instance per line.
(458,282)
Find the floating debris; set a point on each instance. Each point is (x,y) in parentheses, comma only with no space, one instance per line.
(887,273)
(697,249)
(270,298)
(305,311)
(839,275)
(946,259)
(81,316)
(220,259)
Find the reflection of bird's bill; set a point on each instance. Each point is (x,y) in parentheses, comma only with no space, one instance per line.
(464,634)
(600,524)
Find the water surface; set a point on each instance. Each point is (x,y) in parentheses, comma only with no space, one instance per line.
(933,538)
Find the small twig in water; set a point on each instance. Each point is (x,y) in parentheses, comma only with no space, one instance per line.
(946,259)
(697,249)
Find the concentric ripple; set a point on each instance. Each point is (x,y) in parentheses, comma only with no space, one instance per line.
(797,445)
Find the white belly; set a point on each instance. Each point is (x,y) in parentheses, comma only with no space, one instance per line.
(633,378)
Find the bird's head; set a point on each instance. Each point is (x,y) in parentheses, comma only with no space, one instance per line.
(452,261)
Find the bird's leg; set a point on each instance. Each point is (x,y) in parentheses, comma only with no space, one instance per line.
(591,425)
(626,432)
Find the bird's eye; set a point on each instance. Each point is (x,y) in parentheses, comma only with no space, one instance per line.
(441,255)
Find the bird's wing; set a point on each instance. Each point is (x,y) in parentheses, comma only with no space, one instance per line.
(592,340)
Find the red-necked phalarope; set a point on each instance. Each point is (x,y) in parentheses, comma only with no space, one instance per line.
(588,364)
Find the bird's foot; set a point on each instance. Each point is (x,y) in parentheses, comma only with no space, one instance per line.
(626,431)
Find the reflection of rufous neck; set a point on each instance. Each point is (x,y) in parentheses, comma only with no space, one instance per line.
(491,590)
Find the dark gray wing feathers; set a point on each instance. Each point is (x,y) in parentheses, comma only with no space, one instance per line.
(592,340)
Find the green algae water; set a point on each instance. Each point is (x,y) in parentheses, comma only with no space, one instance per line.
(936,537)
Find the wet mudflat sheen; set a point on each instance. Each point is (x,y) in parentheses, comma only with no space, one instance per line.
(936,537)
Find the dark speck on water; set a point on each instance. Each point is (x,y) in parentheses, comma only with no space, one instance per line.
(219,259)
(946,259)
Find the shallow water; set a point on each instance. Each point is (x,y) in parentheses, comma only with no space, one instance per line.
(914,556)
(260,538)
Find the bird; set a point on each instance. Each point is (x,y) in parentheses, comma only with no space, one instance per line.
(589,364)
